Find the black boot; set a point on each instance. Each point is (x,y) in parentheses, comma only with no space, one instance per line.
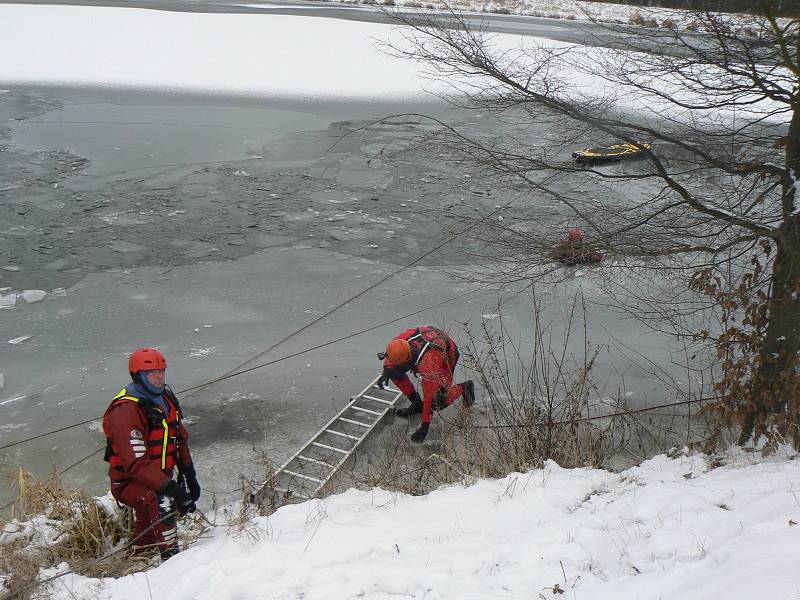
(169,553)
(468,397)
(414,409)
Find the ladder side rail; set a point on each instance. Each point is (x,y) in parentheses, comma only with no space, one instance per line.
(327,425)
(344,459)
(372,384)
(321,433)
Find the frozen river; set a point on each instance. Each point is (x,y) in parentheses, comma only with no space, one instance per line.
(213,226)
(213,230)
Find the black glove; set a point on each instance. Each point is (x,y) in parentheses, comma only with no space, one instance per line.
(190,476)
(419,435)
(183,502)
(384,378)
(194,488)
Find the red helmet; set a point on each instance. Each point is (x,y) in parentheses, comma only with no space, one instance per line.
(398,351)
(575,235)
(146,359)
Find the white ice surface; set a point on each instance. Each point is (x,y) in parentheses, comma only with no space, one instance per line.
(252,303)
(271,56)
(31,296)
(277,57)
(8,300)
(670,528)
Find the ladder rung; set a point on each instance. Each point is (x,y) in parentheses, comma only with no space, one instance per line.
(368,397)
(290,492)
(288,472)
(368,411)
(339,433)
(386,388)
(355,422)
(329,447)
(315,460)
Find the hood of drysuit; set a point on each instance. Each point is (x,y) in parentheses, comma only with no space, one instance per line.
(396,371)
(142,388)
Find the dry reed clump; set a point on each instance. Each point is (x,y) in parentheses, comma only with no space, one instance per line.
(534,406)
(50,525)
(19,574)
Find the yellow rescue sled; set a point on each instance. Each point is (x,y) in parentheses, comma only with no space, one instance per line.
(606,154)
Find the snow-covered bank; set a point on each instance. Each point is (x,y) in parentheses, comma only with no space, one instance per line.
(669,528)
(267,56)
(292,59)
(573,10)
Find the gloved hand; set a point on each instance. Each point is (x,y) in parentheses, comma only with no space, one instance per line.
(419,435)
(183,502)
(194,488)
(384,378)
(190,476)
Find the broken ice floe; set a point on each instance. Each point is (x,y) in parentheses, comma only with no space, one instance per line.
(31,296)
(8,300)
(10,400)
(13,426)
(202,351)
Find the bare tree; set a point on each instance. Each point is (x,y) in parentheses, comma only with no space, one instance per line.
(713,106)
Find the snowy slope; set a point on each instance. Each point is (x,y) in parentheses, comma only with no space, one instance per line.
(267,56)
(670,528)
(274,57)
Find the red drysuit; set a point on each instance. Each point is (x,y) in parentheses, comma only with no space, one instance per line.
(142,455)
(434,356)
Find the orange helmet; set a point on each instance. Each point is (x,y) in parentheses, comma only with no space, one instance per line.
(146,359)
(398,351)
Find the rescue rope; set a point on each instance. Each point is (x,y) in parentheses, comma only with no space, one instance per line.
(272,362)
(594,418)
(41,435)
(61,472)
(499,426)
(336,341)
(235,371)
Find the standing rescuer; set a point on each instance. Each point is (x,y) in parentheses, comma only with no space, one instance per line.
(432,355)
(145,441)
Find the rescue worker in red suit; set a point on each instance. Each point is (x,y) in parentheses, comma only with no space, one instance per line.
(432,355)
(575,250)
(145,441)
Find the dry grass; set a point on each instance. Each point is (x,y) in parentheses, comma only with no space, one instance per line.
(20,573)
(62,526)
(532,408)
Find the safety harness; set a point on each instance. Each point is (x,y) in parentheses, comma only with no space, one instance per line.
(162,433)
(427,335)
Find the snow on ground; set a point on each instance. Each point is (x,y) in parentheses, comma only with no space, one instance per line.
(268,56)
(672,528)
(572,10)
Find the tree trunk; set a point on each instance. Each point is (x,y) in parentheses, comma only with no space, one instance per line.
(776,378)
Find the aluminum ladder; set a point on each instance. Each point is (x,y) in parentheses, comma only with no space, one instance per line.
(310,469)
